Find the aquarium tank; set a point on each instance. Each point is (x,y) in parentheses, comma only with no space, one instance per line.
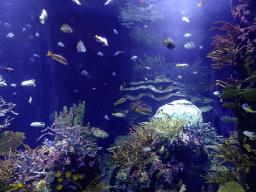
(127,95)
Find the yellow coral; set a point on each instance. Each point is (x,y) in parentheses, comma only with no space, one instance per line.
(59,187)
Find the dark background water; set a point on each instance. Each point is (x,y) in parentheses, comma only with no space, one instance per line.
(55,82)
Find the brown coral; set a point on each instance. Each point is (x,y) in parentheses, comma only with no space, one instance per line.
(10,140)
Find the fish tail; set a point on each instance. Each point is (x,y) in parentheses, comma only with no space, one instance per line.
(20,185)
(137,110)
(112,114)
(95,36)
(115,104)
(49,53)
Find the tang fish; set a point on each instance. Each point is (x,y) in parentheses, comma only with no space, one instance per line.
(58,58)
(43,16)
(66,29)
(80,46)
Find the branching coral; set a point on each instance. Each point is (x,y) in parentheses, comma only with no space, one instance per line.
(224,45)
(4,109)
(231,154)
(165,128)
(130,152)
(2,81)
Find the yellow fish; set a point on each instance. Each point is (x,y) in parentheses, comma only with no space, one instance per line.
(58,58)
(200,4)
(12,187)
(122,100)
(143,111)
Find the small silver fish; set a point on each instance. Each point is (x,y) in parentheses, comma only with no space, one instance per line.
(146,149)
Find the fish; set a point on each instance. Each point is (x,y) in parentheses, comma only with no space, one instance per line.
(101,40)
(118,114)
(30,100)
(201,47)
(194,72)
(118,53)
(37,124)
(134,58)
(122,100)
(190,45)
(66,28)
(35,55)
(108,1)
(251,135)
(145,78)
(143,111)
(185,19)
(216,93)
(179,77)
(8,69)
(148,68)
(61,44)
(10,35)
(200,4)
(80,46)
(13,85)
(37,35)
(114,73)
(169,43)
(146,149)
(58,58)
(100,54)
(85,73)
(12,187)
(183,65)
(115,31)
(77,2)
(43,17)
(187,35)
(28,83)
(248,108)
(106,117)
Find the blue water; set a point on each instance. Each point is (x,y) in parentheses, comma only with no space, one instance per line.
(59,85)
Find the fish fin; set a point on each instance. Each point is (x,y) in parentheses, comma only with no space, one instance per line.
(49,53)
(95,36)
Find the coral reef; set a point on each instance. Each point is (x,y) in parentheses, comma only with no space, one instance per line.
(2,81)
(4,109)
(224,45)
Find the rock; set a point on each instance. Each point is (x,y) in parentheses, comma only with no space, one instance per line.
(182,110)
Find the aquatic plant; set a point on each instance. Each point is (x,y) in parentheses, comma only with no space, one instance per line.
(7,170)
(10,140)
(4,109)
(135,150)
